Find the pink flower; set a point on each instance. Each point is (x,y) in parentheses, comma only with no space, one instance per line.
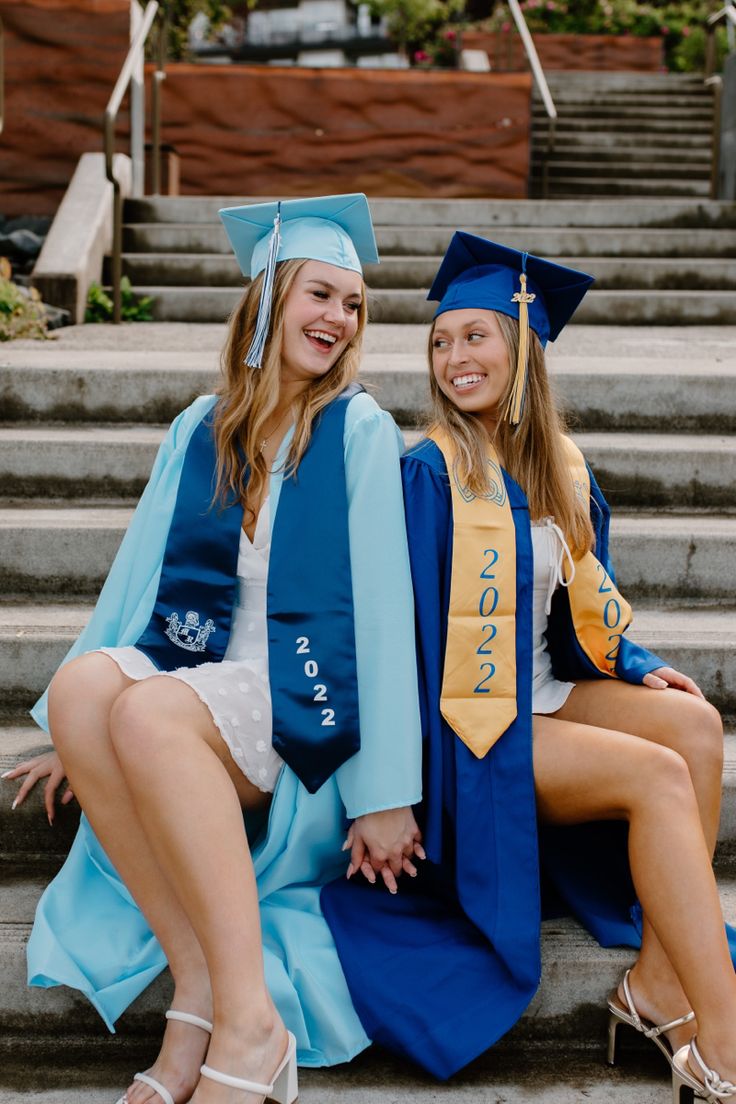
(551,6)
(664,30)
(420,55)
(686,31)
(450,35)
(505,27)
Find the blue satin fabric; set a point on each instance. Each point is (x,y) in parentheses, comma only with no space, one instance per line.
(311,629)
(440,972)
(200,562)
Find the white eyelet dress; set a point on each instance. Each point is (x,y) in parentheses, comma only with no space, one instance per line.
(550,550)
(236,691)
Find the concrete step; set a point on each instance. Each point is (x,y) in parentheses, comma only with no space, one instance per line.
(657,141)
(699,641)
(201,238)
(68,550)
(465,212)
(630,109)
(95,1074)
(569,1007)
(651,168)
(105,462)
(642,127)
(405,272)
(573,185)
(581,99)
(625,391)
(697,158)
(214,304)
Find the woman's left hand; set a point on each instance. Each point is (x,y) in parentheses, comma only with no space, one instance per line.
(663,677)
(384,843)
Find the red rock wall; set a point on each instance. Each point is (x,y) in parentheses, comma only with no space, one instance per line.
(248,130)
(618,53)
(62,58)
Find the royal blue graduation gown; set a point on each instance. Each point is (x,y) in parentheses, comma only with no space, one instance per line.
(441,971)
(89,933)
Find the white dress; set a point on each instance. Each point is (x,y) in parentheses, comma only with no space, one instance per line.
(549,549)
(236,691)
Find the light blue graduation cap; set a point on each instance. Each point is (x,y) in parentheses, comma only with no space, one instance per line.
(335,229)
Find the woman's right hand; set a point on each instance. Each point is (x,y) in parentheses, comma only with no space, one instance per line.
(48,765)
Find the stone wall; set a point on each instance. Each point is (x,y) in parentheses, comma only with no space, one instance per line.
(593,53)
(248,130)
(62,58)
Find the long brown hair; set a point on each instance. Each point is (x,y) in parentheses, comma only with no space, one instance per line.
(533,452)
(249,396)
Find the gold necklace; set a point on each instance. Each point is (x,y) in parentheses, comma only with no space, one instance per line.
(265,440)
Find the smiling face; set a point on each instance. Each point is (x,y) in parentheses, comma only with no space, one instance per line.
(321,317)
(470,362)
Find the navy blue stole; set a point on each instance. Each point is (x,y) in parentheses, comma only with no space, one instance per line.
(311,629)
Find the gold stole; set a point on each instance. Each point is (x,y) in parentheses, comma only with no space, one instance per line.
(478,698)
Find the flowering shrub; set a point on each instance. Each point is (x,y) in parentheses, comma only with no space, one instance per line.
(679,22)
(419,27)
(21,309)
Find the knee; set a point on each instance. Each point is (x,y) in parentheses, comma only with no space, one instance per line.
(699,734)
(74,688)
(663,776)
(135,716)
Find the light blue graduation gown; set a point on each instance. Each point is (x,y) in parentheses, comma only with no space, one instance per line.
(88,932)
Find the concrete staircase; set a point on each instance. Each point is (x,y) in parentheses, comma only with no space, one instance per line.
(661,262)
(654,408)
(625,134)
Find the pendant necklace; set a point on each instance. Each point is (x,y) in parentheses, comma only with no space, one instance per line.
(278,425)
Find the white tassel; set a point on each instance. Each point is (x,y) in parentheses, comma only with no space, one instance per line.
(254,356)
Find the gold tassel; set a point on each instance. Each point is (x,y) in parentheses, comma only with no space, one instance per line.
(515,404)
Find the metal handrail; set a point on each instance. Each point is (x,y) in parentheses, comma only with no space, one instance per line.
(130,74)
(2,76)
(541,82)
(726,15)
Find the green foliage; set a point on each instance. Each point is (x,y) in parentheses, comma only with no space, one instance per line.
(679,22)
(180,15)
(21,309)
(415,25)
(132,307)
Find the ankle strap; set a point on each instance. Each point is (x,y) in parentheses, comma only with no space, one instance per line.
(236,1082)
(187,1017)
(650,1032)
(720,1089)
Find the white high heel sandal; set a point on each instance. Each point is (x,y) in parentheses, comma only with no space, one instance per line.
(146,1079)
(629,1015)
(283,1088)
(712,1087)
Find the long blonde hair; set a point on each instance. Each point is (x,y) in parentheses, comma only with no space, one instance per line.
(249,396)
(533,452)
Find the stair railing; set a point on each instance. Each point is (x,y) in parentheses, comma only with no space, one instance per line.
(714,80)
(541,83)
(131,75)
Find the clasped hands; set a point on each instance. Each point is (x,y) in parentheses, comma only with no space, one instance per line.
(384,844)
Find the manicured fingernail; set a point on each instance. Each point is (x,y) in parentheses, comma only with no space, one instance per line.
(350,871)
(393,891)
(6,774)
(345,846)
(14,805)
(51,821)
(420,853)
(413,873)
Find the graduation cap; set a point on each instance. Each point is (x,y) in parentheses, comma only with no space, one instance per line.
(335,229)
(542,295)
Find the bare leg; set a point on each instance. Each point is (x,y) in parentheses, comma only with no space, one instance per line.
(172,758)
(692,728)
(585,773)
(81,698)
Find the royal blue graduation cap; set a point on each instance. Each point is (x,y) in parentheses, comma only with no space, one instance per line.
(335,229)
(542,295)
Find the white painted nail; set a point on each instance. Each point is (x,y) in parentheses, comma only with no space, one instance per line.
(14,805)
(6,774)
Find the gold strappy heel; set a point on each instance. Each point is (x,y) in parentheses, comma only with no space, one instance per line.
(712,1087)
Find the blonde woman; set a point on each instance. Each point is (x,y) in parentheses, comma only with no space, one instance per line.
(242,657)
(537,707)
